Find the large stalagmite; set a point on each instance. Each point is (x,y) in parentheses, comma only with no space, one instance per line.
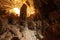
(23,12)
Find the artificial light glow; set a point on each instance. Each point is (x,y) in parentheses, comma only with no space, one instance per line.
(15,11)
(30,11)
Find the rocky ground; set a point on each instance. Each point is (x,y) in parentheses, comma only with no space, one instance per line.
(12,30)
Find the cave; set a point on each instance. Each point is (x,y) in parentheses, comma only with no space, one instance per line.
(30,20)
